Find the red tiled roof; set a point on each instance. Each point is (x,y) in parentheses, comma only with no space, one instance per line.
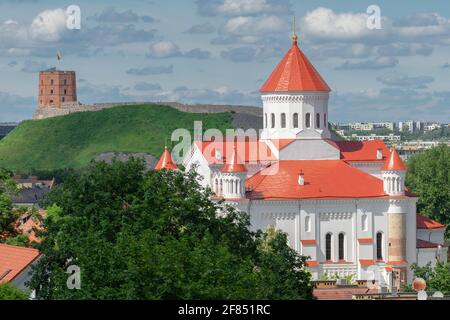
(388,269)
(323,179)
(362,150)
(31,224)
(365,240)
(366,262)
(281,143)
(422,244)
(340,293)
(13,260)
(166,162)
(234,164)
(248,151)
(423,222)
(394,162)
(311,263)
(306,242)
(295,73)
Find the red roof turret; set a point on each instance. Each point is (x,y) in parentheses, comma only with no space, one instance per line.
(234,165)
(394,162)
(166,162)
(295,73)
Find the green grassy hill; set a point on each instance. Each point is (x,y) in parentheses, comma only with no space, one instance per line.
(72,141)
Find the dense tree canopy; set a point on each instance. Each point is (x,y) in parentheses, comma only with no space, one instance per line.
(7,215)
(157,235)
(429,177)
(8,292)
(437,278)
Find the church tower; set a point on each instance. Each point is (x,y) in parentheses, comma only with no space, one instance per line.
(295,99)
(393,173)
(233,177)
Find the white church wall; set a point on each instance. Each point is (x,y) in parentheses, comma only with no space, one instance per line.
(311,149)
(198,161)
(372,168)
(431,235)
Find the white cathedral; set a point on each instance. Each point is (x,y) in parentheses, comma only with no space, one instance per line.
(341,203)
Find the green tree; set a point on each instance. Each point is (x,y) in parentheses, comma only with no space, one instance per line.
(158,235)
(7,188)
(8,292)
(437,278)
(429,177)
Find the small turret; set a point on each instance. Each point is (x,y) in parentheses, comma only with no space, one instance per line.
(393,173)
(166,162)
(233,176)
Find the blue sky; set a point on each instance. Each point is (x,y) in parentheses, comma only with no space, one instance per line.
(220,51)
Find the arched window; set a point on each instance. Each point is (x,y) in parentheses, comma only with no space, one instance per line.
(364,226)
(283,120)
(379,246)
(308,224)
(295,120)
(325,123)
(272,119)
(328,247)
(265,120)
(308,120)
(318,120)
(341,246)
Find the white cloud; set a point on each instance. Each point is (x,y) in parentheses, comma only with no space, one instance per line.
(164,49)
(247,26)
(251,7)
(48,25)
(373,64)
(325,23)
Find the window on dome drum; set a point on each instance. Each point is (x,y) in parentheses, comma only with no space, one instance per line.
(295,120)
(51,81)
(265,120)
(283,120)
(364,222)
(341,246)
(325,123)
(308,224)
(63,99)
(272,119)
(308,120)
(379,246)
(318,120)
(328,247)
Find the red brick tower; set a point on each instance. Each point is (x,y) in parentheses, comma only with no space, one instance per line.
(56,87)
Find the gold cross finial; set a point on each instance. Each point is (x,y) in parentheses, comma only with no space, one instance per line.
(294,34)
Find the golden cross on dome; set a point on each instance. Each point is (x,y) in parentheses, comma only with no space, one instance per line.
(294,34)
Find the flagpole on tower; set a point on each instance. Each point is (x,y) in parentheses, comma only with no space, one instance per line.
(58,59)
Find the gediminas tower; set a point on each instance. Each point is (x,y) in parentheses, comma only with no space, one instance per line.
(56,87)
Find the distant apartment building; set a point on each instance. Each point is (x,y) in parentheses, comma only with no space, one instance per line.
(409,148)
(389,137)
(431,126)
(369,126)
(361,126)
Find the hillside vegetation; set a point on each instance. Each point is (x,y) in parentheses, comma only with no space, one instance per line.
(72,141)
